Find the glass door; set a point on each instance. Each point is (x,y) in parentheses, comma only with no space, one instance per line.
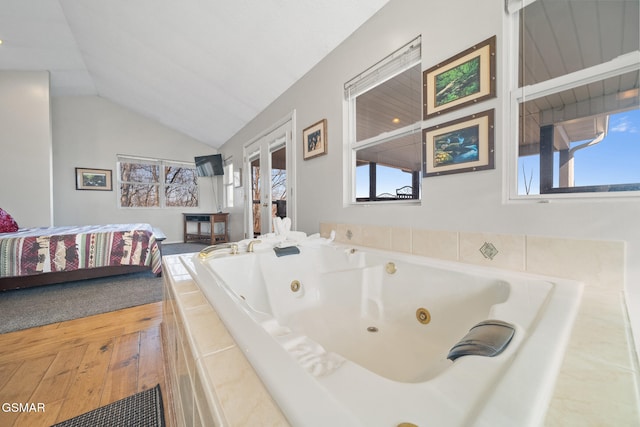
(268,184)
(255,209)
(278,155)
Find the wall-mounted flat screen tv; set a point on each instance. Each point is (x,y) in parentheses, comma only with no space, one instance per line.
(209,165)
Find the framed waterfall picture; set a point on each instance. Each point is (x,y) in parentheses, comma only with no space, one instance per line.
(93,179)
(464,79)
(314,140)
(463,145)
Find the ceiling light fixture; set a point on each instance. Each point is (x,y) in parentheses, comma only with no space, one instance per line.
(396,120)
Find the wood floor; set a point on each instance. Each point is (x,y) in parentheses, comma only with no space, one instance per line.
(76,366)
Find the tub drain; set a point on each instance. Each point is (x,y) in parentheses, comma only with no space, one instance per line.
(372,329)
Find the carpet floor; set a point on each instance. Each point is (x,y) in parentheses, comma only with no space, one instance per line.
(143,409)
(31,307)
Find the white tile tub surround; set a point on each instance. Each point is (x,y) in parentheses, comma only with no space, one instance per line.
(401,240)
(346,396)
(212,383)
(435,244)
(600,359)
(600,263)
(597,383)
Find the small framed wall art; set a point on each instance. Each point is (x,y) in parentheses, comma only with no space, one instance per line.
(464,79)
(93,179)
(462,145)
(314,140)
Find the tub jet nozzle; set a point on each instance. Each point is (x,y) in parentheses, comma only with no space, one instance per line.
(391,268)
(423,315)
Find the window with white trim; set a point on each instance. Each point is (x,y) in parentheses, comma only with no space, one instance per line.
(575,103)
(152,183)
(228,182)
(384,113)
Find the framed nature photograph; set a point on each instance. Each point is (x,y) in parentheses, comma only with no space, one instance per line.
(462,145)
(314,140)
(93,179)
(467,78)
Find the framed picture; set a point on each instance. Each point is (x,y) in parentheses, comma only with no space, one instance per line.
(467,78)
(462,145)
(314,140)
(93,179)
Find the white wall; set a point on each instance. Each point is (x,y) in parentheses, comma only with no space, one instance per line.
(25,147)
(319,94)
(469,202)
(89,132)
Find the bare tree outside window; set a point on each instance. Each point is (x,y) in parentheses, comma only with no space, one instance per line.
(181,186)
(140,183)
(278,187)
(256,195)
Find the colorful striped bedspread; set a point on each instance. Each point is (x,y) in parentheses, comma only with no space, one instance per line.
(48,249)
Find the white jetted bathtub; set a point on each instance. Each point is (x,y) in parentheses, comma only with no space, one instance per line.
(347,336)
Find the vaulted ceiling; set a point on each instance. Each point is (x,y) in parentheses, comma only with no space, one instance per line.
(202,67)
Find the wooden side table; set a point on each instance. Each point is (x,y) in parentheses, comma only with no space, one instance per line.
(215,230)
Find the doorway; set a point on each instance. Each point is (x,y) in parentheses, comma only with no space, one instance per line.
(269,183)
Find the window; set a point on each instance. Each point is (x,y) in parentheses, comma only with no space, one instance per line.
(180,184)
(384,106)
(228,182)
(278,154)
(146,183)
(577,99)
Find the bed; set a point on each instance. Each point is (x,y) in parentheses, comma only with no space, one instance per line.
(46,255)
